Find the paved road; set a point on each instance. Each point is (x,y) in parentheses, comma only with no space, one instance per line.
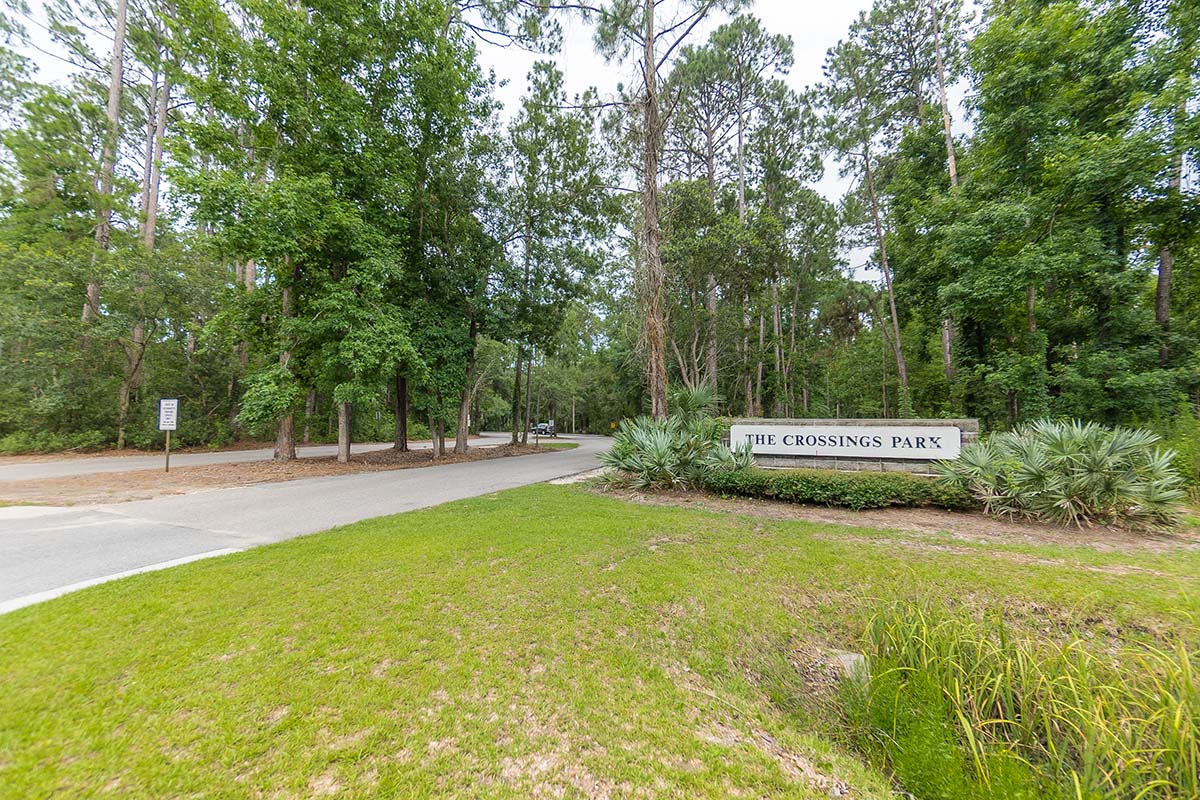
(45,552)
(25,470)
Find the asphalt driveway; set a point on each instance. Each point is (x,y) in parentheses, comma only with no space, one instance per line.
(45,552)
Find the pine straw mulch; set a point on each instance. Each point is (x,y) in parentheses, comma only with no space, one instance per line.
(119,487)
(922,524)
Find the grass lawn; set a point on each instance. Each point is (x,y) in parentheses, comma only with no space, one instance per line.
(541,642)
(547,445)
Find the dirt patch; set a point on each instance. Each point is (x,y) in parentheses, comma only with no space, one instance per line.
(34,458)
(796,766)
(235,447)
(119,487)
(966,527)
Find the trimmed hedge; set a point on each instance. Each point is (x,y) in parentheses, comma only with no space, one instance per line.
(855,490)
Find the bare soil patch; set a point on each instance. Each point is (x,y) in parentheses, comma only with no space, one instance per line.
(973,528)
(234,447)
(119,487)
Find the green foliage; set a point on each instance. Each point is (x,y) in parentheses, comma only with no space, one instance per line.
(271,393)
(1071,472)
(962,709)
(1182,436)
(855,490)
(683,450)
(47,442)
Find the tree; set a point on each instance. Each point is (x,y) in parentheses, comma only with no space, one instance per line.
(622,29)
(854,94)
(555,214)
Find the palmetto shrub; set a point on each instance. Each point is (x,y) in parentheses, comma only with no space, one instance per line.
(1072,472)
(680,451)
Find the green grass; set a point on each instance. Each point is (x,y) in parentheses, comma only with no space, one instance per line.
(539,642)
(559,445)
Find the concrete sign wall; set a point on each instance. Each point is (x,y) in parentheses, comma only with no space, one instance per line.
(850,441)
(908,445)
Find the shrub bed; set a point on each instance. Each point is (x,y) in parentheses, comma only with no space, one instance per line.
(854,490)
(1072,472)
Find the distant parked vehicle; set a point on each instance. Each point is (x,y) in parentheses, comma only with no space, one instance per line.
(545,429)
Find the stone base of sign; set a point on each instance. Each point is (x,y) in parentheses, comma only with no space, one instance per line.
(969,428)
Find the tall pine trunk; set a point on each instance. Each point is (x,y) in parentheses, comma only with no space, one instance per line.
(654,279)
(781,376)
(135,348)
(1166,268)
(516,396)
(901,364)
(108,159)
(952,167)
(758,372)
(528,398)
(710,296)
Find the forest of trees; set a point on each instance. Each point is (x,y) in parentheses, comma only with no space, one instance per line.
(299,218)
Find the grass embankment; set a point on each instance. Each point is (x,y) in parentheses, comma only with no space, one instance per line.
(539,642)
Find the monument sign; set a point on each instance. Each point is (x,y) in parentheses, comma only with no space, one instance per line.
(908,445)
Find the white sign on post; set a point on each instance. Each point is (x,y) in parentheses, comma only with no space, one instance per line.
(168,413)
(851,441)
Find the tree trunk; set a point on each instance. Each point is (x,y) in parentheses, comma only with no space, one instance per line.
(401,441)
(345,410)
(135,350)
(285,435)
(710,349)
(528,397)
(441,438)
(777,334)
(654,287)
(1166,268)
(901,365)
(758,372)
(108,159)
(710,296)
(148,152)
(433,444)
(948,348)
(952,167)
(516,396)
(747,380)
(464,411)
(285,439)
(741,165)
(310,408)
(951,162)
(150,226)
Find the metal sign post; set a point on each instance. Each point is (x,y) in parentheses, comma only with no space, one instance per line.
(168,420)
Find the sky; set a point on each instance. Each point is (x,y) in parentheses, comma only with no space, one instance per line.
(814,27)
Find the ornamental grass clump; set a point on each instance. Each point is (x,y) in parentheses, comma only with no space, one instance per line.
(963,708)
(1073,473)
(680,451)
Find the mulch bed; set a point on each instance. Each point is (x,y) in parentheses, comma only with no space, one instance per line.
(119,487)
(967,527)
